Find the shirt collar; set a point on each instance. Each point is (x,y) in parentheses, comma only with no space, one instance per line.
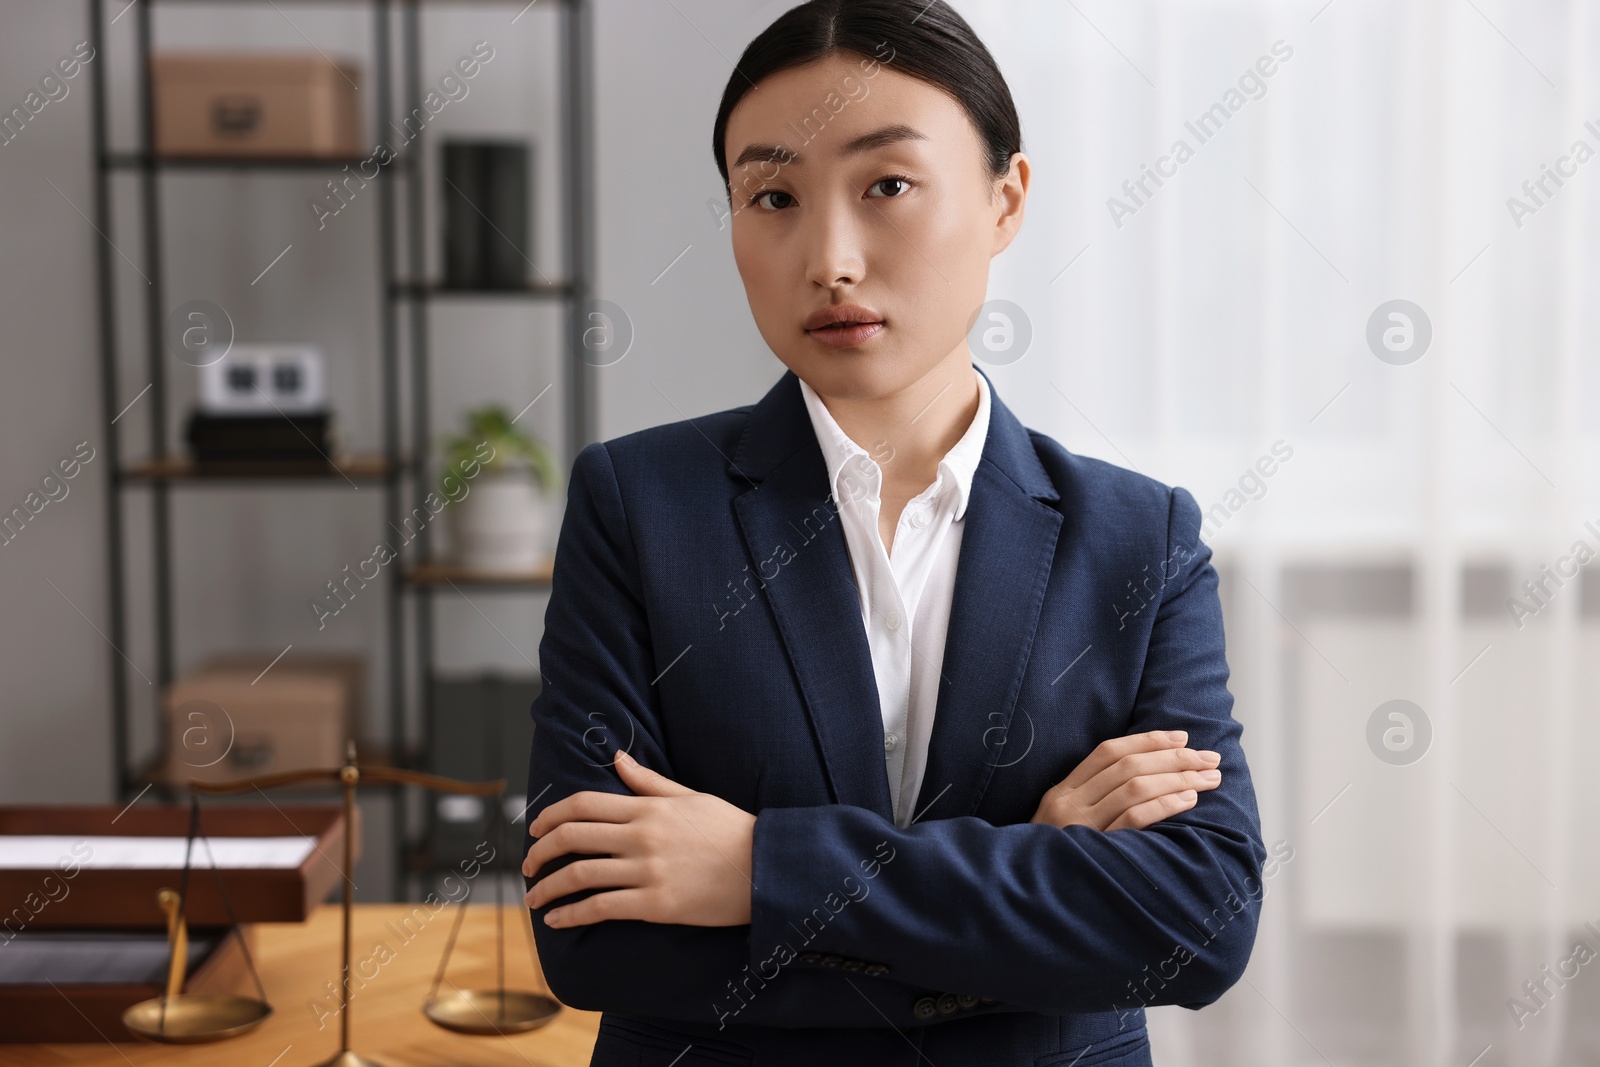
(957,467)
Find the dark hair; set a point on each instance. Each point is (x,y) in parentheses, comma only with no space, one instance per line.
(924,40)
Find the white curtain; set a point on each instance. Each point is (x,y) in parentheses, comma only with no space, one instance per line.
(1443,900)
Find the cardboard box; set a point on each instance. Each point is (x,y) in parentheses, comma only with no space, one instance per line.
(229,720)
(255,104)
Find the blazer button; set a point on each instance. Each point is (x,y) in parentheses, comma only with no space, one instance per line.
(947,1004)
(967,1000)
(875,969)
(852,965)
(831,961)
(925,1008)
(985,1000)
(809,957)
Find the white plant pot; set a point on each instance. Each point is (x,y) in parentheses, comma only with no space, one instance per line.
(500,525)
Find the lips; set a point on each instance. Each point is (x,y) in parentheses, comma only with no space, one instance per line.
(846,336)
(842,317)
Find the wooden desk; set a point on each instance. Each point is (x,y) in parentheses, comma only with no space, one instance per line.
(387,1024)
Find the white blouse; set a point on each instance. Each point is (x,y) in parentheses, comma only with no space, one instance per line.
(905,598)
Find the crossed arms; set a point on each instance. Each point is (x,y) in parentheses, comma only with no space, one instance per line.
(672,895)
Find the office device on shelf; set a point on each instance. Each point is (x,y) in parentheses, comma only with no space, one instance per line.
(263,404)
(255,104)
(245,441)
(265,379)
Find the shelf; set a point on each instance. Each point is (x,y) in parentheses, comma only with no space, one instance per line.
(439,574)
(139,160)
(358,468)
(407,292)
(440,291)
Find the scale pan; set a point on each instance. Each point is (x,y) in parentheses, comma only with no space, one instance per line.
(491,1011)
(194,1018)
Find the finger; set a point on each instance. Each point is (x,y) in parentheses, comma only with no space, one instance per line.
(584,874)
(1148,787)
(1143,763)
(1068,809)
(593,838)
(617,904)
(1112,749)
(1153,811)
(590,805)
(645,782)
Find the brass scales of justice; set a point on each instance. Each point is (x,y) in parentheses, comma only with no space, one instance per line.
(189,1018)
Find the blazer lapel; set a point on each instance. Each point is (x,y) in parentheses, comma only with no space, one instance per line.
(786,517)
(1007,549)
(1008,545)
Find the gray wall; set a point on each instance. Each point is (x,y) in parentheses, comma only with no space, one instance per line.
(248,560)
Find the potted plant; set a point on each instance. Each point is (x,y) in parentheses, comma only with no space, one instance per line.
(497,478)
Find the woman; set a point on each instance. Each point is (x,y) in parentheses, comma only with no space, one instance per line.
(877,728)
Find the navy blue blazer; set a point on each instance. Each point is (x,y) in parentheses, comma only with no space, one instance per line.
(703,617)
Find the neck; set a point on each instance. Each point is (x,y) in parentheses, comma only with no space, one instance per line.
(916,425)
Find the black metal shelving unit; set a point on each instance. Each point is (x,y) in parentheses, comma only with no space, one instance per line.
(404,292)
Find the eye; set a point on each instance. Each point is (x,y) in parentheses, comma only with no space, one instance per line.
(896,179)
(756,199)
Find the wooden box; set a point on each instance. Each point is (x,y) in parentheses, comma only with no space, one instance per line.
(255,104)
(50,877)
(73,986)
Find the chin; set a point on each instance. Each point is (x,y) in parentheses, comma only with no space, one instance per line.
(851,374)
(839,371)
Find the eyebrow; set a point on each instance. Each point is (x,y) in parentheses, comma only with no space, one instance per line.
(777,153)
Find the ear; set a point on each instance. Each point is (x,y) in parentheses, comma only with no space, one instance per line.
(1010,197)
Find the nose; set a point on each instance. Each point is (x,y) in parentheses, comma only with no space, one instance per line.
(833,243)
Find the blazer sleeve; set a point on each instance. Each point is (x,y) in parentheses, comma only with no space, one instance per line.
(597,662)
(1050,919)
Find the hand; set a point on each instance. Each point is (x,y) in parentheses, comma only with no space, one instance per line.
(1131,782)
(675,855)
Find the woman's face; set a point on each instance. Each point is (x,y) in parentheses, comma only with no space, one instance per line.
(855,184)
